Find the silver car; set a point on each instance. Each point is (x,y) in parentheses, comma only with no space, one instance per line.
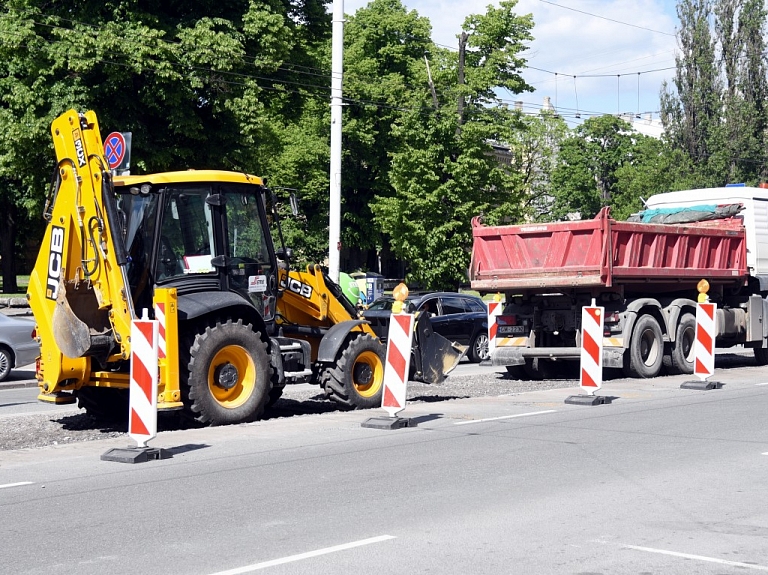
(17,348)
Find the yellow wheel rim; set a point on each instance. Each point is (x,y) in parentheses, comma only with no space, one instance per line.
(368,374)
(232,376)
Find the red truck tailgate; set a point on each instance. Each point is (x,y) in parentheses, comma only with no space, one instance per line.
(604,253)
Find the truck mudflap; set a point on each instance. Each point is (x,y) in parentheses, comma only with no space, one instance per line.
(434,355)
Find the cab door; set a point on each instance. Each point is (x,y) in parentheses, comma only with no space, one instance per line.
(251,265)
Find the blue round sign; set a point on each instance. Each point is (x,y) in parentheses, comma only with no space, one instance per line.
(114,149)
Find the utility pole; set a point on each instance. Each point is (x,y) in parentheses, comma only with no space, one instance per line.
(337,65)
(462,55)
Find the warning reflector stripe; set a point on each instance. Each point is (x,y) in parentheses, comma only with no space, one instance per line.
(389,399)
(704,345)
(397,363)
(494,310)
(591,372)
(160,316)
(142,421)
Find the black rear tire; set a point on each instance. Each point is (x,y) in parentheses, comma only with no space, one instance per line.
(274,394)
(357,379)
(681,355)
(646,349)
(517,372)
(104,403)
(229,374)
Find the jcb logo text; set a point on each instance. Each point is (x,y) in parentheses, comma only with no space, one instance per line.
(54,262)
(296,286)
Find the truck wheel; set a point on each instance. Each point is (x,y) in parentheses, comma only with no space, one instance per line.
(478,350)
(229,374)
(681,357)
(761,355)
(646,349)
(274,394)
(104,403)
(357,380)
(517,372)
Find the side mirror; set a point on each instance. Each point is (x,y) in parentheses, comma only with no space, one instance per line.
(284,254)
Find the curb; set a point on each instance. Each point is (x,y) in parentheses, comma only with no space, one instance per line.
(17,384)
(15,310)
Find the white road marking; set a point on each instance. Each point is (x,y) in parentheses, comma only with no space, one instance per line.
(19,484)
(308,555)
(699,558)
(504,417)
(764,383)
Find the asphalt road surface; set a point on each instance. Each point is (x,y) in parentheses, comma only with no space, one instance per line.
(661,480)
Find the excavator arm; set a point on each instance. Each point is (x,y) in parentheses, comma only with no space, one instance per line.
(78,289)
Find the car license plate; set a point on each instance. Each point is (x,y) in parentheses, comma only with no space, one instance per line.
(511,329)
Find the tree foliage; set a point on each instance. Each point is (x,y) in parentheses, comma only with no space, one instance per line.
(717,113)
(202,84)
(442,175)
(585,178)
(385,46)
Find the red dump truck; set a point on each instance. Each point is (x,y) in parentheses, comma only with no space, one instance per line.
(644,274)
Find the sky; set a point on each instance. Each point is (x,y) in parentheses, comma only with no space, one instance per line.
(620,51)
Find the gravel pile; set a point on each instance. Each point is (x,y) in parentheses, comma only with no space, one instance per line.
(30,431)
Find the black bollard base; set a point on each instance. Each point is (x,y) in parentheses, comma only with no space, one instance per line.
(588,399)
(134,454)
(387,423)
(701,385)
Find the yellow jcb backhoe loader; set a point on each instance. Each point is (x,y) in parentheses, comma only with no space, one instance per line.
(196,248)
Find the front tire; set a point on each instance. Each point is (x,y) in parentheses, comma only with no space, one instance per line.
(229,374)
(646,349)
(6,363)
(478,349)
(357,380)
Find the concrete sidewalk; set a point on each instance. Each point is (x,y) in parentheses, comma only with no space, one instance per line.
(15,306)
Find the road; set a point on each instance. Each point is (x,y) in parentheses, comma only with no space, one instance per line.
(661,480)
(18,394)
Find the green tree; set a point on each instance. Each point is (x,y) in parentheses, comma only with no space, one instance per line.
(385,47)
(586,178)
(445,171)
(534,143)
(652,168)
(691,114)
(717,115)
(196,83)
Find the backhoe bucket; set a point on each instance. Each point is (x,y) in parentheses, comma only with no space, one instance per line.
(437,356)
(72,335)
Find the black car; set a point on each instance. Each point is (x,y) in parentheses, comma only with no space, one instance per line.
(457,317)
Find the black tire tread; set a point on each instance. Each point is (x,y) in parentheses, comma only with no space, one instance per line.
(197,394)
(337,382)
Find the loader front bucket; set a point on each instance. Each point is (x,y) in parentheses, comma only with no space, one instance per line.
(435,356)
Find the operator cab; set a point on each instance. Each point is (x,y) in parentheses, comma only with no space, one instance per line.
(198,231)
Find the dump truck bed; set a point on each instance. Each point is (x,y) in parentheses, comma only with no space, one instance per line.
(605,253)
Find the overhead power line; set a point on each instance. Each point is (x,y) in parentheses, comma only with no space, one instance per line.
(606,18)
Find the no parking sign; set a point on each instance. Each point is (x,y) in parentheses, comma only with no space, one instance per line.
(117,150)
